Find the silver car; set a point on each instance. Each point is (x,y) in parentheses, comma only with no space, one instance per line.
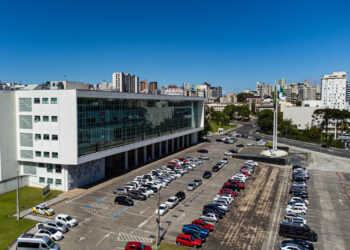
(191,186)
(120,191)
(53,224)
(209,217)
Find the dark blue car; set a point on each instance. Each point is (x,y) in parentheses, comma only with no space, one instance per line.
(302,243)
(191,228)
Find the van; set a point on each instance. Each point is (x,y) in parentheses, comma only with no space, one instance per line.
(30,242)
(297,230)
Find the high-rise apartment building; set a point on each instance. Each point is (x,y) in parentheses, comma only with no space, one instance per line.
(123,82)
(348,92)
(216,91)
(260,88)
(153,86)
(334,90)
(306,91)
(144,87)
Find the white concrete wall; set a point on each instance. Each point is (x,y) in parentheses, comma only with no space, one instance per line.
(300,116)
(8,151)
(11,184)
(65,127)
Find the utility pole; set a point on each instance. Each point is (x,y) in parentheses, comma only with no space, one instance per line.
(158,222)
(18,215)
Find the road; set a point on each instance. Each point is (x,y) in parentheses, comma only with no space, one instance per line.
(248,128)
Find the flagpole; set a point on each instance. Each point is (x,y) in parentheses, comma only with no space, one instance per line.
(274,121)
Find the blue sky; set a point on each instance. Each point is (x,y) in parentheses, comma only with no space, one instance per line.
(228,43)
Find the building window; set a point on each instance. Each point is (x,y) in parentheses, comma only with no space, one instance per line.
(37,118)
(58,181)
(45,100)
(36,100)
(47,154)
(37,137)
(53,100)
(54,137)
(45,118)
(46,137)
(49,168)
(54,155)
(54,118)
(49,180)
(41,180)
(37,153)
(58,169)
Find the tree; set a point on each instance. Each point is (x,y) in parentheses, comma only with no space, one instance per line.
(326,114)
(240,97)
(244,111)
(298,103)
(265,120)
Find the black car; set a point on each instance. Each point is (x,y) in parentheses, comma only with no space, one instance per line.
(302,243)
(240,146)
(294,189)
(154,189)
(215,168)
(207,175)
(123,200)
(136,195)
(215,208)
(203,150)
(181,195)
(297,230)
(301,194)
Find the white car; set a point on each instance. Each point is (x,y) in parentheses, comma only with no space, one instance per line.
(299,199)
(221,205)
(209,217)
(66,219)
(298,205)
(251,162)
(296,210)
(172,201)
(228,153)
(225,198)
(51,233)
(163,208)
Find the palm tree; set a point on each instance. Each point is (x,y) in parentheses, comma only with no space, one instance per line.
(326,115)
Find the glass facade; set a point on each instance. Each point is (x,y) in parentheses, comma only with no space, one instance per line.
(109,123)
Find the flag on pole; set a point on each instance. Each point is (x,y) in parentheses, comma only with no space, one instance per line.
(280,93)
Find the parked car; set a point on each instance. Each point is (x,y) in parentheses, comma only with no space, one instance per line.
(52,233)
(240,145)
(136,195)
(290,246)
(53,224)
(123,200)
(215,168)
(191,186)
(131,245)
(44,242)
(297,230)
(163,208)
(188,240)
(296,210)
(203,157)
(43,210)
(203,224)
(203,150)
(207,175)
(172,201)
(302,243)
(209,217)
(66,219)
(197,181)
(189,228)
(180,195)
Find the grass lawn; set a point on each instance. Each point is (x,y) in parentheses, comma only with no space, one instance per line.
(10,228)
(214,127)
(167,246)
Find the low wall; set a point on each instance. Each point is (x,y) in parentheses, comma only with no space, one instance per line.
(11,184)
(266,159)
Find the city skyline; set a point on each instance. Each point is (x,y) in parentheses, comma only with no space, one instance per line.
(232,44)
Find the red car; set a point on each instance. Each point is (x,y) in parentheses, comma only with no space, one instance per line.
(234,182)
(203,224)
(188,240)
(225,191)
(136,245)
(247,167)
(245,173)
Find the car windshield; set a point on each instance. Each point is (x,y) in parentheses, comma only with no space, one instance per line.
(59,224)
(190,185)
(69,218)
(46,208)
(51,230)
(50,243)
(162,207)
(171,200)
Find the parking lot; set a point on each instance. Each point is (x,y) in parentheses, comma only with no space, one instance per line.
(252,223)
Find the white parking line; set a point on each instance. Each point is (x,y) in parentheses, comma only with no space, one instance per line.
(144,210)
(104,237)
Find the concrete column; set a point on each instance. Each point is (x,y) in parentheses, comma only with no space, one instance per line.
(153,151)
(172,145)
(136,157)
(166,147)
(188,140)
(126,160)
(183,141)
(145,153)
(195,137)
(178,143)
(160,149)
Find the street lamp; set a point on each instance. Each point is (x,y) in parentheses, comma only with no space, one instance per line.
(158,222)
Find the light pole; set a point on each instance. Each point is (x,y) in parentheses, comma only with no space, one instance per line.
(158,222)
(18,215)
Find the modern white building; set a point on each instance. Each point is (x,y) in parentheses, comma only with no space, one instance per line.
(300,116)
(123,82)
(334,90)
(71,138)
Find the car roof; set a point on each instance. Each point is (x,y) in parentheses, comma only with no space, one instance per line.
(135,243)
(62,215)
